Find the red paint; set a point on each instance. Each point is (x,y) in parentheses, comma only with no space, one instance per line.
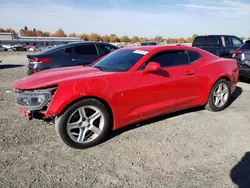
(137,95)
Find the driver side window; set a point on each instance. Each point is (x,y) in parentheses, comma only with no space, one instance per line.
(169,58)
(236,42)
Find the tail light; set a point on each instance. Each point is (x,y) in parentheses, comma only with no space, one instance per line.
(39,60)
(237,52)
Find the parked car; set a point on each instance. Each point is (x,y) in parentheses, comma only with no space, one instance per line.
(8,46)
(220,45)
(33,48)
(19,47)
(242,55)
(124,87)
(3,48)
(72,54)
(149,43)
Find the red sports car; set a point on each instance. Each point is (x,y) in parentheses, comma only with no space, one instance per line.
(126,86)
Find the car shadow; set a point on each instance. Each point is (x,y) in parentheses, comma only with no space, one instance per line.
(237,93)
(149,121)
(8,66)
(240,174)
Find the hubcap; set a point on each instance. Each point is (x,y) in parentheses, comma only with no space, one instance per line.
(220,95)
(85,124)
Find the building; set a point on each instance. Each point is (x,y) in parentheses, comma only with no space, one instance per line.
(9,38)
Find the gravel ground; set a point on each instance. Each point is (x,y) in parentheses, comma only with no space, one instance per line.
(193,148)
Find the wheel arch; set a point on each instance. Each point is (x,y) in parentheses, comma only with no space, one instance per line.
(110,111)
(215,81)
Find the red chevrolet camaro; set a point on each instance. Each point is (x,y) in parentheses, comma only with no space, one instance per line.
(124,87)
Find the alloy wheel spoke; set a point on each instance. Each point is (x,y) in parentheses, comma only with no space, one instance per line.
(225,90)
(81,135)
(95,129)
(96,115)
(219,88)
(74,125)
(223,101)
(82,113)
(217,101)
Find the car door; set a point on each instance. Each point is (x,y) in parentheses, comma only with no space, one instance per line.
(85,54)
(170,89)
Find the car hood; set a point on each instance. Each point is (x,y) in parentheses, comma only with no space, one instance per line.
(56,76)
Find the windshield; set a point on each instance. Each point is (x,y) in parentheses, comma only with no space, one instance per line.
(120,60)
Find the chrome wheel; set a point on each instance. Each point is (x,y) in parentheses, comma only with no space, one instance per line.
(85,124)
(220,95)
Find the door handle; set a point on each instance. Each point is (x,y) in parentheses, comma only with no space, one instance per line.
(76,60)
(189,73)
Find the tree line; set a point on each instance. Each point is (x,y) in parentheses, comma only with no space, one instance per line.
(96,37)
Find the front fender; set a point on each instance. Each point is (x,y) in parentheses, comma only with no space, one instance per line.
(66,93)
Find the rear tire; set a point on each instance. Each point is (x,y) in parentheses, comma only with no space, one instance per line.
(79,128)
(219,97)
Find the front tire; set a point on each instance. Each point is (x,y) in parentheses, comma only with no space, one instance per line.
(84,124)
(219,96)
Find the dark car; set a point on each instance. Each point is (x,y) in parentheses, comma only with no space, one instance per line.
(19,47)
(220,45)
(149,43)
(242,55)
(72,54)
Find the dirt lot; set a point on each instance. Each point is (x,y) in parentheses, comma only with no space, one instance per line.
(195,148)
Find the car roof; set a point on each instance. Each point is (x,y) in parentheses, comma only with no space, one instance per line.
(161,47)
(72,44)
(85,42)
(217,36)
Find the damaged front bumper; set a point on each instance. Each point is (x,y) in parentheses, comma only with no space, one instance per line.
(34,104)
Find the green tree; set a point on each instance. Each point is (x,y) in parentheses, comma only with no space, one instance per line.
(114,38)
(181,40)
(94,37)
(135,39)
(125,39)
(59,33)
(72,35)
(9,30)
(194,35)
(158,38)
(106,38)
(84,37)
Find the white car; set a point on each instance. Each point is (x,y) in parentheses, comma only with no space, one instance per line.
(3,48)
(8,46)
(34,48)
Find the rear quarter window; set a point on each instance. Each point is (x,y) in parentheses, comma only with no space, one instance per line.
(206,41)
(199,41)
(193,56)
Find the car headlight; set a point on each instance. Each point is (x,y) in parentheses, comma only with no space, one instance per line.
(33,100)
